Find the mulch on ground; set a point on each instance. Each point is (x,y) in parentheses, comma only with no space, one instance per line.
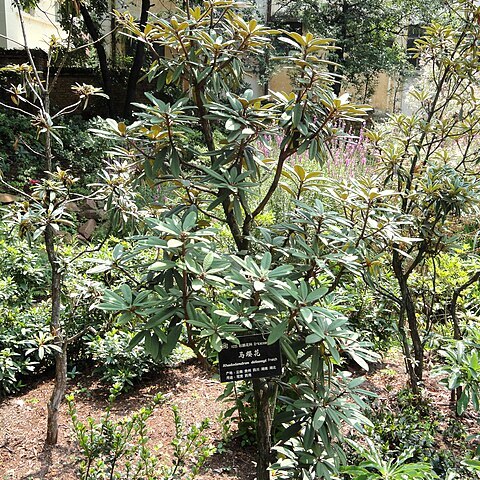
(23,425)
(192,389)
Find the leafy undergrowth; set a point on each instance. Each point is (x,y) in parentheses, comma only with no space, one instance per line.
(424,429)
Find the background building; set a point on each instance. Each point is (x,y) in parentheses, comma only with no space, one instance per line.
(40,25)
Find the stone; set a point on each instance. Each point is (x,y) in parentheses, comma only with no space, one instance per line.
(91,204)
(86,229)
(95,214)
(65,236)
(7,198)
(72,207)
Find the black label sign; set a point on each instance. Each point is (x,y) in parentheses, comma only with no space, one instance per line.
(252,358)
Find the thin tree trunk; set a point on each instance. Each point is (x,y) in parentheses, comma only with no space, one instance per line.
(407,354)
(457,333)
(408,308)
(265,394)
(337,86)
(415,336)
(60,383)
(102,56)
(48,148)
(137,64)
(58,392)
(367,86)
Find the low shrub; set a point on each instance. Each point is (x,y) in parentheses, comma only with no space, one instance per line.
(81,152)
(18,161)
(118,364)
(410,425)
(118,448)
(23,271)
(406,424)
(374,467)
(25,344)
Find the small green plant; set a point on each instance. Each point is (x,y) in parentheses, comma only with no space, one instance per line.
(26,346)
(411,424)
(462,374)
(241,413)
(114,448)
(473,467)
(455,432)
(191,450)
(116,362)
(23,269)
(12,368)
(405,424)
(374,467)
(117,449)
(226,424)
(119,363)
(40,345)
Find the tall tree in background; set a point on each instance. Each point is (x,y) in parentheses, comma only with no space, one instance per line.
(368,33)
(97,20)
(431,157)
(93,22)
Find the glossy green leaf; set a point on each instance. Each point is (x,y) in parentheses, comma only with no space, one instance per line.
(277,332)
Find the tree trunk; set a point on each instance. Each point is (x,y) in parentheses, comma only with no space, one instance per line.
(457,333)
(407,354)
(58,334)
(341,42)
(265,394)
(408,308)
(58,393)
(137,64)
(414,334)
(102,57)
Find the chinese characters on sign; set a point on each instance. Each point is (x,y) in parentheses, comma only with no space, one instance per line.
(252,358)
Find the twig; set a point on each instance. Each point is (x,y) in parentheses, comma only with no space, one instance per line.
(27,48)
(17,109)
(68,109)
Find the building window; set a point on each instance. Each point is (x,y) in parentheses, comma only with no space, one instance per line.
(414,32)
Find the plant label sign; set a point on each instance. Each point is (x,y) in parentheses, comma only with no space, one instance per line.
(251,358)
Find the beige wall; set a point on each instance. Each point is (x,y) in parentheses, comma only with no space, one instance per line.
(383,99)
(3,25)
(280,82)
(40,25)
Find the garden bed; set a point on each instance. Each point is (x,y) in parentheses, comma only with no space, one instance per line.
(23,425)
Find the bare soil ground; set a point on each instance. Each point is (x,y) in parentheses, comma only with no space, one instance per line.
(23,425)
